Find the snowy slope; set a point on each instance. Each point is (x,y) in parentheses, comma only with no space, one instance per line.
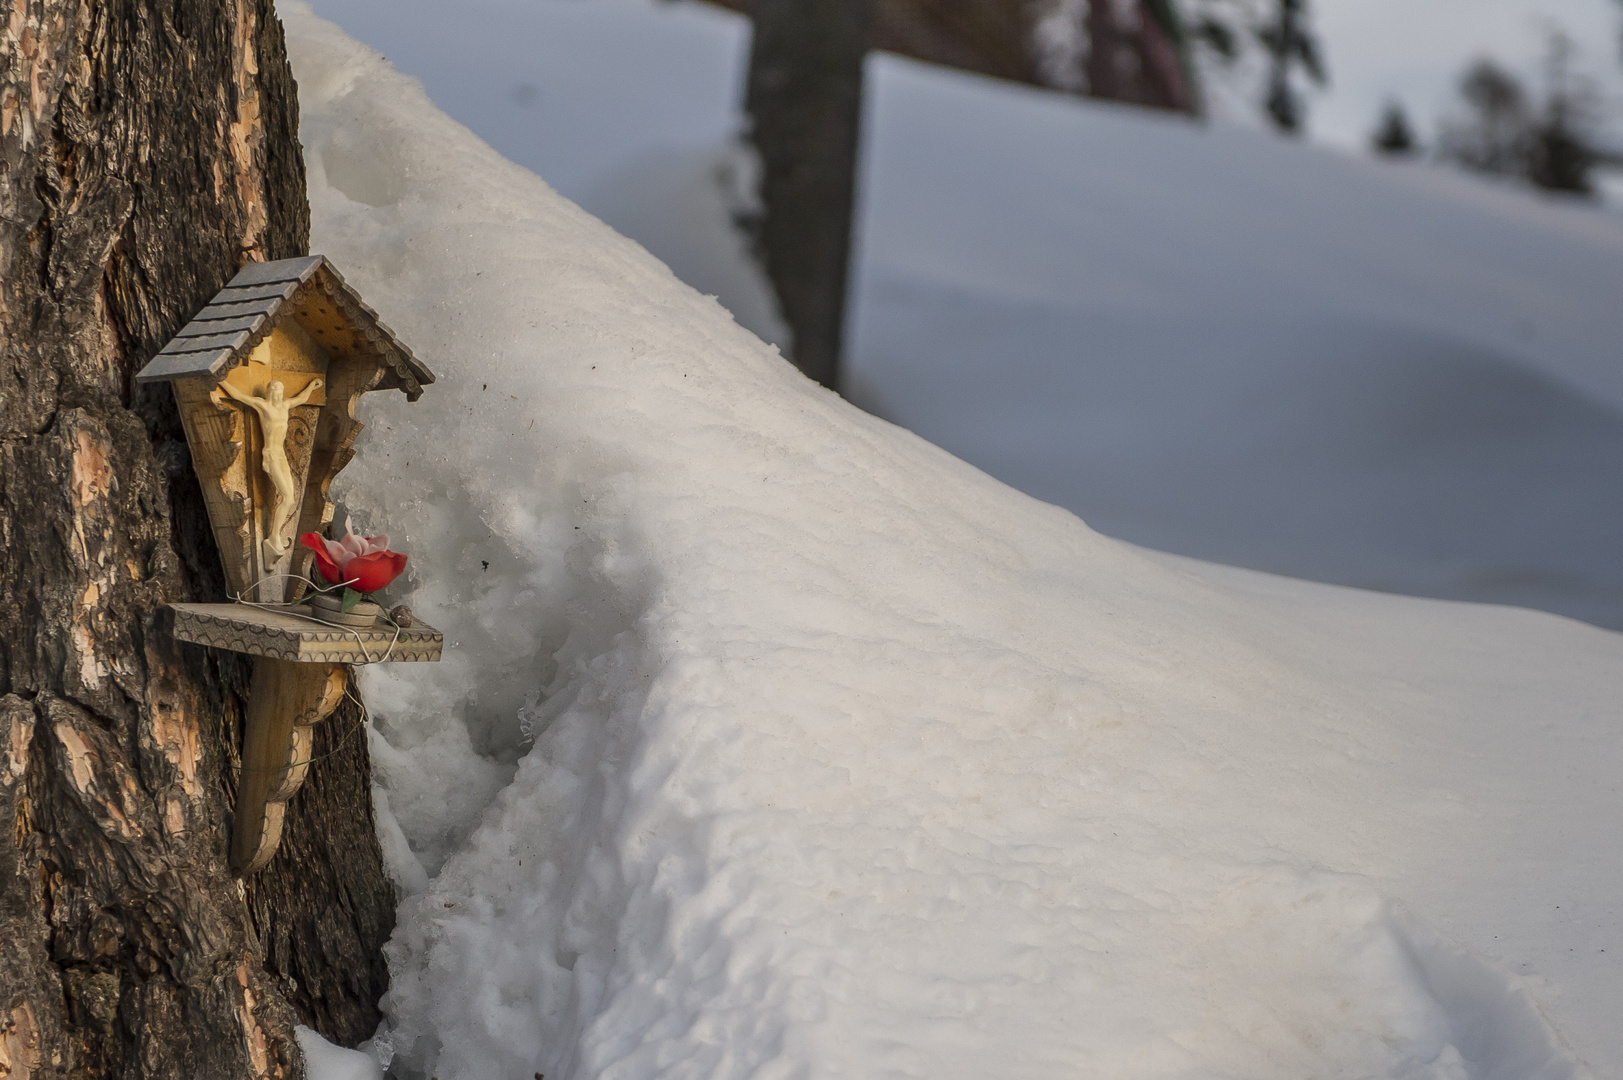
(1215,343)
(773,741)
(1205,341)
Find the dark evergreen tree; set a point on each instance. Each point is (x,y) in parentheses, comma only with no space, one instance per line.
(1561,159)
(1561,155)
(1216,33)
(1394,135)
(1280,28)
(1289,44)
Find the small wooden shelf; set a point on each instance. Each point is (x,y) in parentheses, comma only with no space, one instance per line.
(287,632)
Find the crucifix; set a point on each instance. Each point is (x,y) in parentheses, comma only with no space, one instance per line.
(273,410)
(294,346)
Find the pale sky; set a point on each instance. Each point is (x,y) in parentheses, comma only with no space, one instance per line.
(1415,49)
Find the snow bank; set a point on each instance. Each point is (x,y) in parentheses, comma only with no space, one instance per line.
(773,741)
(1212,342)
(324,1061)
(1220,344)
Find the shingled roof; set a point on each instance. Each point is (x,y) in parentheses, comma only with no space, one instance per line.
(308,290)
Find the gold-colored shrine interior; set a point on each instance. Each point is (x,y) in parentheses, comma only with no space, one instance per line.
(228,446)
(289,355)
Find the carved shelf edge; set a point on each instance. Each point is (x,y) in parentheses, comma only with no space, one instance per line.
(280,634)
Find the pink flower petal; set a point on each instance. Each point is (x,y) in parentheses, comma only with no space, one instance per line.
(335,552)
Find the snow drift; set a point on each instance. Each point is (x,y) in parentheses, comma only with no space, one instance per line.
(773,741)
(1221,344)
(1207,341)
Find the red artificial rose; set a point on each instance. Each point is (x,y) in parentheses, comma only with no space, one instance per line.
(318,544)
(365,564)
(369,573)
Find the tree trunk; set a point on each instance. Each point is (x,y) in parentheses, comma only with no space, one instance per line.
(147,149)
(1137,54)
(1145,61)
(992,37)
(805,105)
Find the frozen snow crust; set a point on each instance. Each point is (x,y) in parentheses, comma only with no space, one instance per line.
(772,741)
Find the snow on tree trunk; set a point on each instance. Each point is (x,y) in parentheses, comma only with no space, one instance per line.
(146,151)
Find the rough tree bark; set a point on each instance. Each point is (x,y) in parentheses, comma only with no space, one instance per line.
(147,149)
(805,104)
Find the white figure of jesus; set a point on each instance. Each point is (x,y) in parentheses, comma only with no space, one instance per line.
(273,410)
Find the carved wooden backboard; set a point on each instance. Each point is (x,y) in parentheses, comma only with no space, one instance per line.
(228,445)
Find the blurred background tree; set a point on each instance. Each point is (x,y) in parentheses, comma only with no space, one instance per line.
(1394,135)
(1493,136)
(1504,132)
(1563,152)
(1282,30)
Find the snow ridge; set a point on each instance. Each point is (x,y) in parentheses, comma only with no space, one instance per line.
(772,741)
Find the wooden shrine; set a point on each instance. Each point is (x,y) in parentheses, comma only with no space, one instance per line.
(266,378)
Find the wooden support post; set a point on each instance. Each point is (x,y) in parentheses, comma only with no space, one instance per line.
(301,667)
(286,698)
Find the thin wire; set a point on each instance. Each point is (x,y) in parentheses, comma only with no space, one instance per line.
(366,722)
(281,609)
(294,577)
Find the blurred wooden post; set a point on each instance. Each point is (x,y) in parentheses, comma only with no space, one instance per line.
(805,105)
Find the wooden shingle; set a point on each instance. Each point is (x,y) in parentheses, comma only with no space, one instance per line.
(308,290)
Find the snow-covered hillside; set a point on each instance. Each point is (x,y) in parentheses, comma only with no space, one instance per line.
(1206,341)
(773,741)
(1220,344)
